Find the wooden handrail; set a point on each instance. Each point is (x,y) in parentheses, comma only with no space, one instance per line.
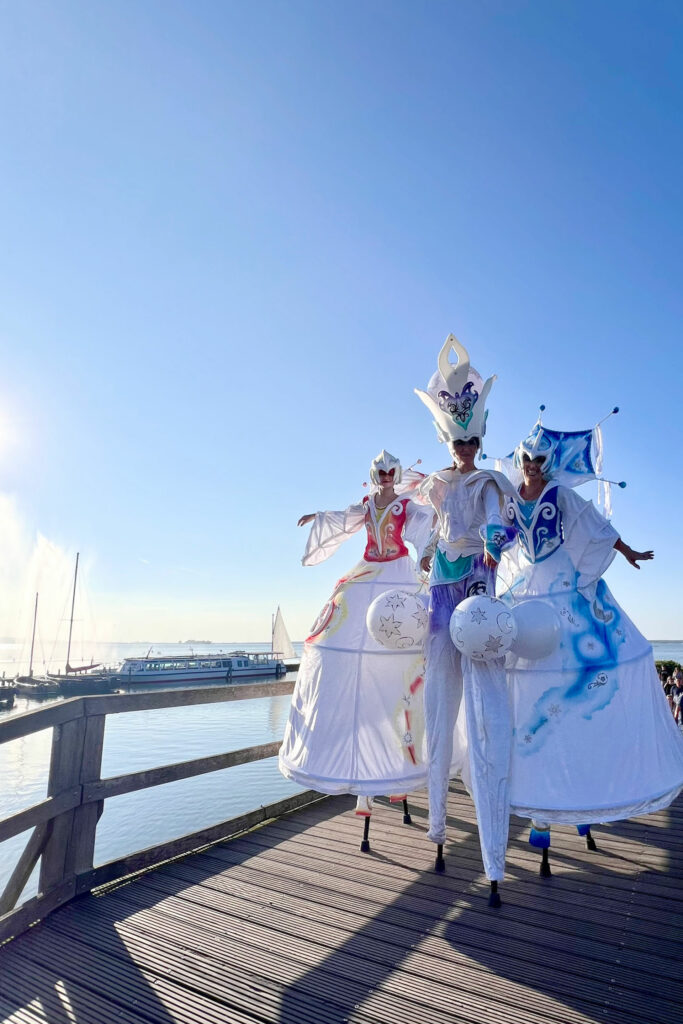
(29,722)
(65,823)
(39,813)
(130,783)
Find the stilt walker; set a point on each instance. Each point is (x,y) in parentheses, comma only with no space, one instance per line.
(356,723)
(594,739)
(462,557)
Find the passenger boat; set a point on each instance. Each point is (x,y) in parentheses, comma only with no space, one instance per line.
(198,668)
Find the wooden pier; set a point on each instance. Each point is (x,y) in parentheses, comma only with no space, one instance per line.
(288,922)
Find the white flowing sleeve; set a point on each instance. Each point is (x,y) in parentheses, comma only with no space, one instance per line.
(589,538)
(492,503)
(419,520)
(329,530)
(430,491)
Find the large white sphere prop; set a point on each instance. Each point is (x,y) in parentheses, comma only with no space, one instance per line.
(397,620)
(482,628)
(538,629)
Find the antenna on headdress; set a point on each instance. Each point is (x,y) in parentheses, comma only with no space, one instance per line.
(604,486)
(613,412)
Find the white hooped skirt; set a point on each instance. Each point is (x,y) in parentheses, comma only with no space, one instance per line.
(356,724)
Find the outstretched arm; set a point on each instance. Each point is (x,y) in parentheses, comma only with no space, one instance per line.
(306,519)
(631,556)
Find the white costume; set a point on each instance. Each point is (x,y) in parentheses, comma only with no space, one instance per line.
(594,738)
(468,508)
(356,721)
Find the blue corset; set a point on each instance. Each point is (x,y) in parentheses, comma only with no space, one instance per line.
(538,524)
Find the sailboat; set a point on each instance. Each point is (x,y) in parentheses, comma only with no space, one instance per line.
(35,686)
(81,679)
(280,642)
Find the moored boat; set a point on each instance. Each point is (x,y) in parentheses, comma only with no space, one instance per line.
(7,691)
(281,646)
(36,687)
(198,668)
(86,683)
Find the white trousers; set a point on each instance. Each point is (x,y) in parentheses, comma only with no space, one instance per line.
(484,758)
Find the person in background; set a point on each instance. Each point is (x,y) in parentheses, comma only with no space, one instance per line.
(676,693)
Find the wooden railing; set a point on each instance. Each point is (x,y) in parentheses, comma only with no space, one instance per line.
(64,825)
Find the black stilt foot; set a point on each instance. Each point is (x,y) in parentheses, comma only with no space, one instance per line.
(365,842)
(407,820)
(590,842)
(439,863)
(544,870)
(494,896)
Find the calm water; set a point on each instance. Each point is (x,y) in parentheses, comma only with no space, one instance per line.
(147,739)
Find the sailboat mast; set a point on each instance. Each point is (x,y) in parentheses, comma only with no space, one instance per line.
(33,637)
(71,620)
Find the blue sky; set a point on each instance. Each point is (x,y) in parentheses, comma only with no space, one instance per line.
(234,238)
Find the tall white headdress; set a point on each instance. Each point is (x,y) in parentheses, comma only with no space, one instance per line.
(456,395)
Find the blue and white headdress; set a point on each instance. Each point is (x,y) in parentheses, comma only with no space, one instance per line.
(456,395)
(572,457)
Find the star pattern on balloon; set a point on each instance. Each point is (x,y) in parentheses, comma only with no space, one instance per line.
(389,626)
(494,643)
(478,615)
(420,617)
(395,601)
(554,710)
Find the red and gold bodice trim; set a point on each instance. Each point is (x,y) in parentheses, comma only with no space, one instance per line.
(385,528)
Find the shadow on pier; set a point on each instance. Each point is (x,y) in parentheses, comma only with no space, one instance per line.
(290,923)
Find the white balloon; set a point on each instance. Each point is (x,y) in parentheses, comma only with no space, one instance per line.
(538,629)
(397,620)
(482,628)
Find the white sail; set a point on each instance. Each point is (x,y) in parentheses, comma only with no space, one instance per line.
(281,642)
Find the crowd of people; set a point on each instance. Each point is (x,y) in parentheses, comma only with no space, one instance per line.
(673,690)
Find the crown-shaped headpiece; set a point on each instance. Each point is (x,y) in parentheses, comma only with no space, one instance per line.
(456,395)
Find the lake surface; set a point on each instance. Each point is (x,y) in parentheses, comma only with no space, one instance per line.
(147,739)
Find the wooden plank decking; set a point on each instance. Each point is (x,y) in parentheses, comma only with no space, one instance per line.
(290,923)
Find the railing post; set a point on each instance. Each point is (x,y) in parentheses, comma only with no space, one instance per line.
(65,769)
(84,828)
